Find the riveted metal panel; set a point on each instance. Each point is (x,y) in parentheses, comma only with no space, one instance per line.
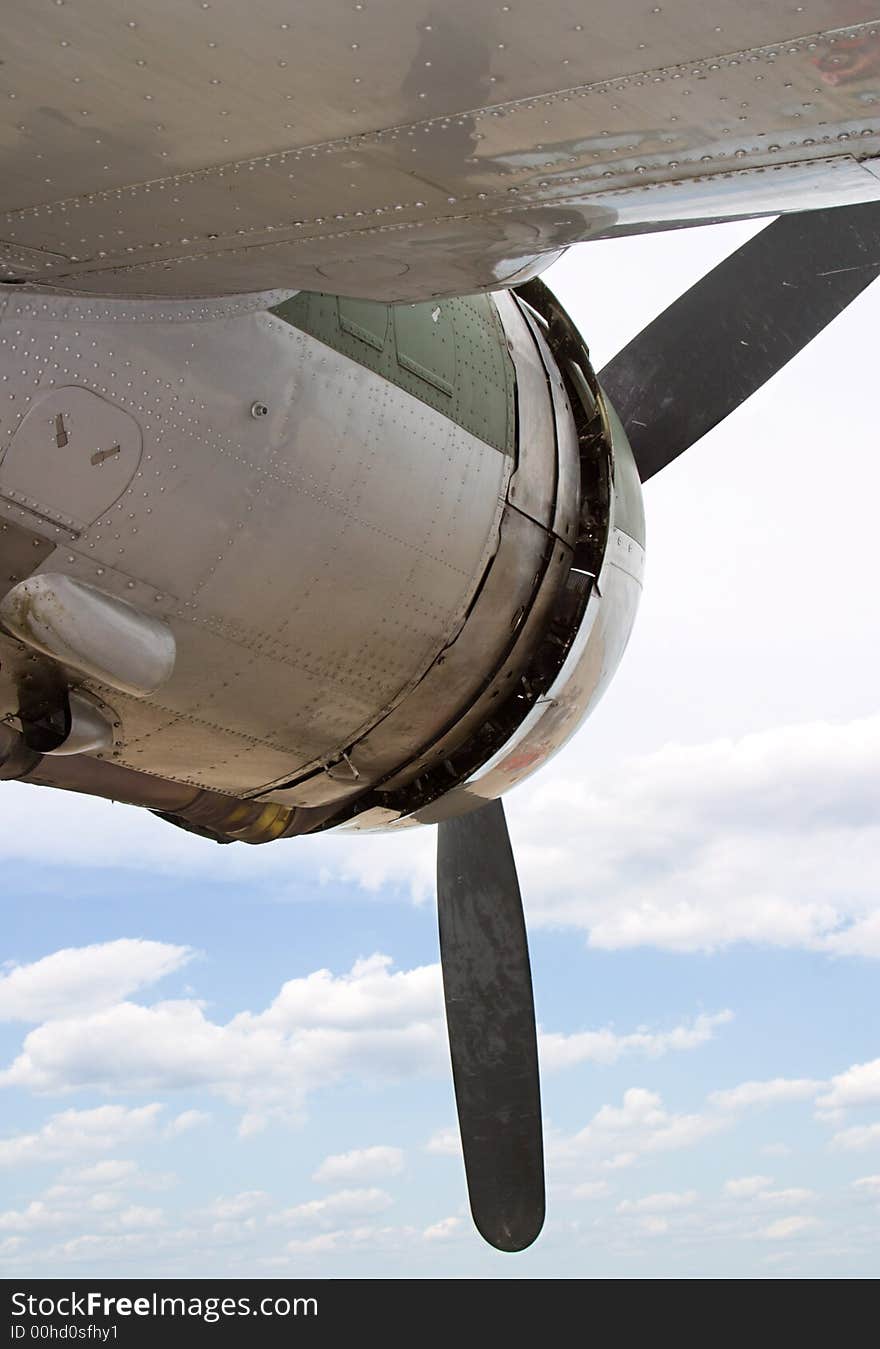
(567,497)
(533,485)
(529,626)
(72,456)
(404,149)
(313,534)
(21,552)
(366,320)
(430,717)
(590,662)
(425,337)
(451,354)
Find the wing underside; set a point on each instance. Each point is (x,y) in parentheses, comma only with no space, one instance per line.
(400,149)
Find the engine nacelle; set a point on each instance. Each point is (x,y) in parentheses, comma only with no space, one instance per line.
(332,563)
(583,625)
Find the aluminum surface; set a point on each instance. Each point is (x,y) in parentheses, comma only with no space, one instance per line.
(90,731)
(71,458)
(91,632)
(564,520)
(588,667)
(476,668)
(402,149)
(311,563)
(533,485)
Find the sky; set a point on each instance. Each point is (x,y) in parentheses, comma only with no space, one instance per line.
(230,1062)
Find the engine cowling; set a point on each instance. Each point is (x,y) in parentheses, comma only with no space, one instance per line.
(579,622)
(394,582)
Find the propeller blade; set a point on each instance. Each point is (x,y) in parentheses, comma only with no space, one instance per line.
(711,349)
(490,1016)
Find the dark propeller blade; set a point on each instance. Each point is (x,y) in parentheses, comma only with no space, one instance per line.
(490,1014)
(742,322)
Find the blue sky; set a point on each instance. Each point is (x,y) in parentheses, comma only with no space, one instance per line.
(185,1092)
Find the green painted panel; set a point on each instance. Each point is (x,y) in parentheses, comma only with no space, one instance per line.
(366,319)
(451,354)
(427,349)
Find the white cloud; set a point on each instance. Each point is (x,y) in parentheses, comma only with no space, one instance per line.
(81,979)
(664,1202)
(789,1227)
(90,833)
(237,1205)
(443,1230)
(94,1193)
(111,1172)
(857,1137)
(653,1225)
(101,1186)
(326,1242)
(72,1133)
(773,838)
(605,1046)
(793,1195)
(137,1217)
(859,1085)
(186,1120)
(776,1091)
(444,1143)
(367,1238)
(619,1160)
(361,1164)
(355,1203)
(372,1024)
(620,1134)
(869,1185)
(98,1247)
(591,1189)
(746,1187)
(38,1215)
(102,1201)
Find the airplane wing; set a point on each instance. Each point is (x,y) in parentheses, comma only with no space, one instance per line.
(401,149)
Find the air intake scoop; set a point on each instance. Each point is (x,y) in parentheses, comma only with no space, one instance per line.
(91,632)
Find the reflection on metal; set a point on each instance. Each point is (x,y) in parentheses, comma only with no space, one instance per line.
(455,362)
(345,607)
(410,150)
(533,485)
(89,732)
(586,673)
(91,632)
(475,685)
(436,786)
(224,819)
(311,564)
